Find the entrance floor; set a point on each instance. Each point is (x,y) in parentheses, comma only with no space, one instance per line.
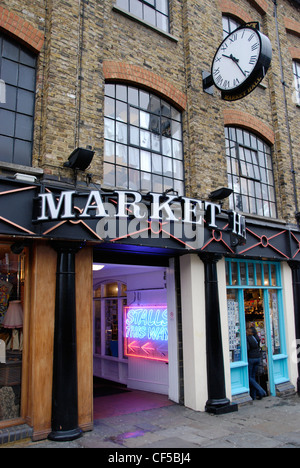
(112,399)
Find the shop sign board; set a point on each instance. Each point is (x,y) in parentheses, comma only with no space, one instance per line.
(129,214)
(146,332)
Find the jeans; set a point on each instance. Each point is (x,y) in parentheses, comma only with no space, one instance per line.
(255,388)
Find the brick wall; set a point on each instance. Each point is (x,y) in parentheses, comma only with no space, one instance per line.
(82,44)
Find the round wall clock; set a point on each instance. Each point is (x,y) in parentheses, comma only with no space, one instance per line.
(241,62)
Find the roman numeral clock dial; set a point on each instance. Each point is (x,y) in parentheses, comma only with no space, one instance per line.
(241,62)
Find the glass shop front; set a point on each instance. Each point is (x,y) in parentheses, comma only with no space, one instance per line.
(12,293)
(254,300)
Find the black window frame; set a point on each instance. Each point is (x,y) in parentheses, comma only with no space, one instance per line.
(158,158)
(148,11)
(250,173)
(18,72)
(232,25)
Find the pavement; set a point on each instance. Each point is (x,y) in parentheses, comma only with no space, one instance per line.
(268,423)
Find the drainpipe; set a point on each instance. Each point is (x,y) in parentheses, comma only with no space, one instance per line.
(284,85)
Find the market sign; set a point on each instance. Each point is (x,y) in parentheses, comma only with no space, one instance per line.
(130,215)
(146,332)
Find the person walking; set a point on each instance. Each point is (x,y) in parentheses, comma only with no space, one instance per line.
(254,357)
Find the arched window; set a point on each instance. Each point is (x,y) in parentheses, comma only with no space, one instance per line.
(229,25)
(143,141)
(296,71)
(17,74)
(250,173)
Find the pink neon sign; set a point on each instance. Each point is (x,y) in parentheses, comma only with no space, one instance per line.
(146,332)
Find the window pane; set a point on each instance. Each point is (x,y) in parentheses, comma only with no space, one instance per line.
(109,107)
(121,111)
(26,77)
(144,100)
(109,129)
(111,327)
(273,275)
(156,163)
(9,72)
(243,277)
(157,183)
(121,132)
(122,4)
(167,167)
(121,155)
(249,157)
(167,146)
(145,139)
(133,96)
(179,187)
(109,151)
(7,119)
(149,15)
(121,92)
(266,275)
(178,169)
(6,148)
(22,153)
(11,98)
(145,161)
(134,116)
(177,149)
(136,8)
(162,5)
(134,158)
(25,102)
(146,181)
(134,179)
(109,174)
(234,325)
(251,281)
(134,136)
(155,142)
(141,143)
(121,177)
(144,120)
(10,50)
(154,12)
(274,314)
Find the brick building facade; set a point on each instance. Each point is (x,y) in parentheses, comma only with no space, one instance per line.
(160,48)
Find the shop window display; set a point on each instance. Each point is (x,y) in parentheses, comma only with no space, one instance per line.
(11,330)
(254,296)
(109,301)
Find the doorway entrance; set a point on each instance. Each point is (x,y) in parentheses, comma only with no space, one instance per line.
(132,333)
(255,316)
(254,294)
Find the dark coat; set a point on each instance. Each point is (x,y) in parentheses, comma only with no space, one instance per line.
(253,347)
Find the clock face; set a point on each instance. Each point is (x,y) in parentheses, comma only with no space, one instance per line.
(236,58)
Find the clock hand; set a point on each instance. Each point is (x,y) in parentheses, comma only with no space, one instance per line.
(235,60)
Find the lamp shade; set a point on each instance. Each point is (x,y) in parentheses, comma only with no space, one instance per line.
(14,315)
(80,159)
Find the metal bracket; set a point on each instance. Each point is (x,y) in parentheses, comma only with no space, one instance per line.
(207,82)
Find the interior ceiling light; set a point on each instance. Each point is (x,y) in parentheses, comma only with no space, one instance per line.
(97,267)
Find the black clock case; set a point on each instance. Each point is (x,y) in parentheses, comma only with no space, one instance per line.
(258,73)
